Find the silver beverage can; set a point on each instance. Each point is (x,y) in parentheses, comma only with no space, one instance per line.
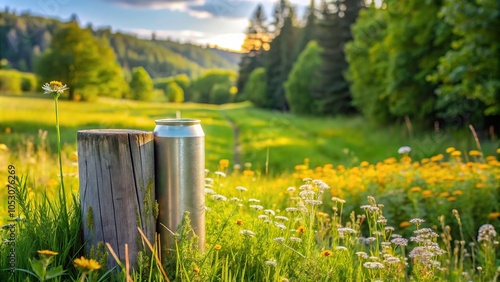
(180,177)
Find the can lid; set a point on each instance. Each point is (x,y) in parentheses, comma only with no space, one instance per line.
(177,121)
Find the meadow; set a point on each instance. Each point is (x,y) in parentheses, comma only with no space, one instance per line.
(310,199)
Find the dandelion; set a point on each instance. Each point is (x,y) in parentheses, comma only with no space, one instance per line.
(326,253)
(364,164)
(450,150)
(55,87)
(217,247)
(86,265)
(224,163)
(427,193)
(456,154)
(415,189)
(474,153)
(493,215)
(404,150)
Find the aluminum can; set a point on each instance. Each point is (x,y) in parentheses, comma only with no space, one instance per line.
(180,177)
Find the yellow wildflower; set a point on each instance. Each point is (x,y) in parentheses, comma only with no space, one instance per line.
(364,164)
(326,253)
(415,189)
(8,130)
(456,154)
(498,151)
(239,222)
(474,153)
(451,199)
(480,185)
(493,215)
(3,147)
(86,265)
(404,224)
(248,173)
(217,247)
(437,158)
(47,254)
(425,160)
(224,163)
(458,193)
(444,194)
(427,193)
(450,150)
(301,229)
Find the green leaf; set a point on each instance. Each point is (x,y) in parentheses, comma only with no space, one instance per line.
(38,269)
(55,272)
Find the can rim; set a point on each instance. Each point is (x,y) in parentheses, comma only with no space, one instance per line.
(177,121)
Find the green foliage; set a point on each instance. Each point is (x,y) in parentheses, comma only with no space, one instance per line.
(10,81)
(181,80)
(141,85)
(86,64)
(255,88)
(469,72)
(201,88)
(220,94)
(174,92)
(29,82)
(302,80)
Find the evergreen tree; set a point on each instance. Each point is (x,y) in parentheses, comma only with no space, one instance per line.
(334,33)
(279,59)
(308,32)
(255,44)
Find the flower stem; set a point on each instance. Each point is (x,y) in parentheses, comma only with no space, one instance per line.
(59,150)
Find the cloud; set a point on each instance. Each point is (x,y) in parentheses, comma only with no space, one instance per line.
(197,8)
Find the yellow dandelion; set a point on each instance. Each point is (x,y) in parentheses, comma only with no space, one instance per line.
(415,189)
(404,224)
(474,153)
(491,158)
(248,173)
(493,215)
(480,185)
(456,154)
(444,194)
(425,160)
(450,150)
(364,164)
(86,265)
(451,199)
(326,253)
(217,247)
(458,193)
(437,158)
(301,229)
(224,163)
(239,222)
(427,193)
(47,253)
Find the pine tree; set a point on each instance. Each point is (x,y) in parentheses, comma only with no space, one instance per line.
(255,44)
(333,91)
(280,58)
(308,32)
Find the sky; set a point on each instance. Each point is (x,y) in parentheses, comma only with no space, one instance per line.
(216,22)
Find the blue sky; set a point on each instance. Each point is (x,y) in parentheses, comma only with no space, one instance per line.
(221,22)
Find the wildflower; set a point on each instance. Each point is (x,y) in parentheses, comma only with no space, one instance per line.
(362,255)
(271,263)
(252,200)
(295,239)
(480,185)
(486,233)
(280,225)
(291,209)
(271,212)
(209,191)
(280,240)
(498,151)
(451,199)
(493,215)
(415,189)
(241,188)
(341,248)
(217,247)
(86,265)
(224,163)
(404,150)
(247,233)
(458,193)
(313,202)
(3,147)
(400,241)
(263,217)
(373,265)
(47,255)
(235,199)
(291,189)
(404,224)
(474,153)
(437,158)
(256,207)
(450,150)
(456,154)
(335,199)
(301,229)
(55,87)
(364,164)
(239,222)
(427,193)
(219,198)
(8,130)
(279,217)
(220,173)
(389,228)
(326,253)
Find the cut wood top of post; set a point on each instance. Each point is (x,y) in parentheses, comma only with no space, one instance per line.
(114,131)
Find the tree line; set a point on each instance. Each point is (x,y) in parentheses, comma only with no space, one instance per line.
(429,62)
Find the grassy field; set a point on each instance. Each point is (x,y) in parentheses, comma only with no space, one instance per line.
(324,199)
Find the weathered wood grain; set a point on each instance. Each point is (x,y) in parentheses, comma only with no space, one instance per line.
(117,195)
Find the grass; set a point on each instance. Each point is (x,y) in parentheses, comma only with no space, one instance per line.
(272,226)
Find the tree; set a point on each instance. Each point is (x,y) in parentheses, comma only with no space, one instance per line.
(308,32)
(174,93)
(333,92)
(301,80)
(255,44)
(201,88)
(87,65)
(279,59)
(255,89)
(220,94)
(469,72)
(141,85)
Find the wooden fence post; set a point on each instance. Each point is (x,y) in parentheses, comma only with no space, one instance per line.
(117,189)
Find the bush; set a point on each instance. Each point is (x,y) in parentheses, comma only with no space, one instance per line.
(255,89)
(220,94)
(10,81)
(141,86)
(174,93)
(28,82)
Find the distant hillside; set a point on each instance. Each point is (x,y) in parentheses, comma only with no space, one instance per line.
(24,36)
